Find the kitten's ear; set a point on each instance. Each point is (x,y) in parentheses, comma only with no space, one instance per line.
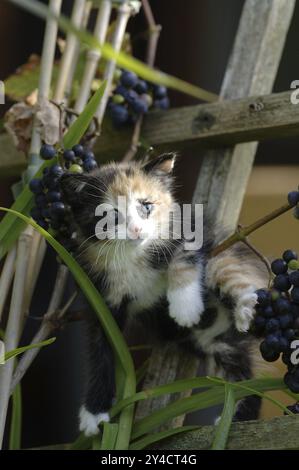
(162,165)
(72,187)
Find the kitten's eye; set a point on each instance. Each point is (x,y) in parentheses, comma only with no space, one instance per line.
(147,207)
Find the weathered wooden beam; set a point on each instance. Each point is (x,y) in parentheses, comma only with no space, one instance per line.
(225,172)
(223,123)
(217,124)
(275,434)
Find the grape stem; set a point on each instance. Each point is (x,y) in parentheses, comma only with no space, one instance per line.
(241,234)
(152,44)
(262,258)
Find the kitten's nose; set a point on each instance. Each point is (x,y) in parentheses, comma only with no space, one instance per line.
(135,231)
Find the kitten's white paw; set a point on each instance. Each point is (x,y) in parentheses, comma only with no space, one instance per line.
(88,422)
(245,311)
(186,304)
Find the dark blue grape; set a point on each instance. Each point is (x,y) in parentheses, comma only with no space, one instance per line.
(53,184)
(141,87)
(88,154)
(283,344)
(56,171)
(282,282)
(162,104)
(78,150)
(53,196)
(128,79)
(36,213)
(295,295)
(69,155)
(132,97)
(294,278)
(36,186)
(281,306)
(272,325)
(89,164)
(289,334)
(273,342)
(268,353)
(121,90)
(263,296)
(289,255)
(57,209)
(293,198)
(43,223)
(259,322)
(47,152)
(40,200)
(139,106)
(291,382)
(160,91)
(285,321)
(268,311)
(46,213)
(119,114)
(279,266)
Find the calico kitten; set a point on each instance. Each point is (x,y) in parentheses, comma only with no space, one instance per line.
(204,305)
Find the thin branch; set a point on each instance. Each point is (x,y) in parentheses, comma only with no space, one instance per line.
(15,322)
(72,70)
(152,44)
(241,233)
(93,56)
(46,327)
(261,256)
(7,277)
(125,10)
(69,51)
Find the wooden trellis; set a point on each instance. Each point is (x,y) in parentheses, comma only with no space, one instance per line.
(245,114)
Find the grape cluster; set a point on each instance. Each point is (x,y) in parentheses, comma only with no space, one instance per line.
(293,199)
(133,97)
(277,318)
(50,211)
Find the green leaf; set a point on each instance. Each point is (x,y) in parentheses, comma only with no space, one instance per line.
(122,59)
(80,126)
(174,387)
(159,436)
(110,431)
(200,401)
(223,427)
(16,420)
(16,352)
(81,443)
(11,226)
(108,323)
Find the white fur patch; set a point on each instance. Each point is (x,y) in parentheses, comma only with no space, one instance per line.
(245,311)
(186,304)
(88,422)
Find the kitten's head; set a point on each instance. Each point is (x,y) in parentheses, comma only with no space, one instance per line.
(131,197)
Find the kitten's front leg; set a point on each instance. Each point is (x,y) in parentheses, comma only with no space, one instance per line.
(239,279)
(185,291)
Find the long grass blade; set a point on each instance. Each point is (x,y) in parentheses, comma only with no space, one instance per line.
(223,427)
(16,420)
(16,352)
(108,323)
(121,58)
(159,436)
(110,431)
